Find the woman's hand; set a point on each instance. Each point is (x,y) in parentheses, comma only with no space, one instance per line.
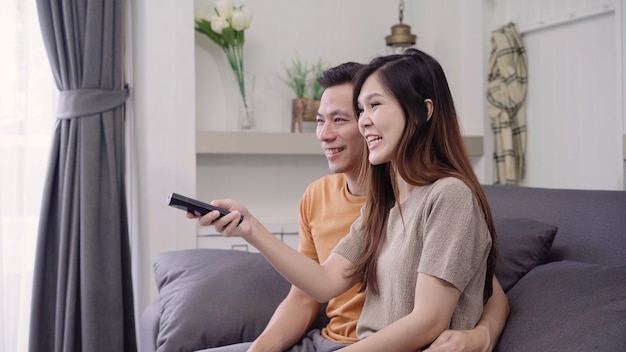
(476,340)
(228,225)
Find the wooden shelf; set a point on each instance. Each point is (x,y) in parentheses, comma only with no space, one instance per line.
(259,143)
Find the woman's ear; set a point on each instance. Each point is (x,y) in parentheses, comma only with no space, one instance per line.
(430,107)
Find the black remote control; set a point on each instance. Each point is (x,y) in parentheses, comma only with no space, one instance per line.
(194,206)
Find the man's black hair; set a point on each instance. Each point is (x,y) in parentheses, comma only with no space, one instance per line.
(340,74)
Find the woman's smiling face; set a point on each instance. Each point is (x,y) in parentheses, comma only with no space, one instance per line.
(381,120)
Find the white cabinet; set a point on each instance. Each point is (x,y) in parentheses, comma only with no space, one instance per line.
(209,238)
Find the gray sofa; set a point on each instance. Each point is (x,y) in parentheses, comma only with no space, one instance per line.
(562,264)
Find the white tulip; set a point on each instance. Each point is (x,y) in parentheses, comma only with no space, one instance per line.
(218,24)
(248,15)
(238,21)
(225,8)
(199,15)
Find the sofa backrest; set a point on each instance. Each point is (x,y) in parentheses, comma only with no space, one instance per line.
(591,224)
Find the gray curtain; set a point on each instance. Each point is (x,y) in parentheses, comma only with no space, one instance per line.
(82,291)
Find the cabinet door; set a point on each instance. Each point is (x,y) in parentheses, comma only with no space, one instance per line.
(220,242)
(209,238)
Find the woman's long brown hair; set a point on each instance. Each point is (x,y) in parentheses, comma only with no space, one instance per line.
(429,150)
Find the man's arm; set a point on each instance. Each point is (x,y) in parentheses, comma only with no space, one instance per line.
(485,335)
(290,322)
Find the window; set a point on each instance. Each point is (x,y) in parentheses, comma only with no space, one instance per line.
(27,107)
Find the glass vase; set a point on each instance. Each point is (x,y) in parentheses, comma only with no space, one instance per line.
(246,110)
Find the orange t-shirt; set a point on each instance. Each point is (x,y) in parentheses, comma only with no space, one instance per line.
(327,210)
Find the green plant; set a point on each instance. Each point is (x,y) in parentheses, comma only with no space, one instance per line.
(302,78)
(314,89)
(297,77)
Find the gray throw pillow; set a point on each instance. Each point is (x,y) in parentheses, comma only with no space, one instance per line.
(213,297)
(567,306)
(523,244)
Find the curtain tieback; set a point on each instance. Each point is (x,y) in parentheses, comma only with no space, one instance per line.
(82,102)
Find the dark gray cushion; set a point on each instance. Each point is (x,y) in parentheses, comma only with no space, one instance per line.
(524,244)
(567,306)
(212,297)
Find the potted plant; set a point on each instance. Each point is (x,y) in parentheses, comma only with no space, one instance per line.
(302,79)
(314,90)
(296,79)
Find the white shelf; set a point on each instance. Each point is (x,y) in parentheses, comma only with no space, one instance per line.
(259,143)
(208,142)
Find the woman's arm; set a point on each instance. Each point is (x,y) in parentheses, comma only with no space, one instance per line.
(485,335)
(435,301)
(302,271)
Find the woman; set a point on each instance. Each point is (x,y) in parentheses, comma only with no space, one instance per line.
(424,246)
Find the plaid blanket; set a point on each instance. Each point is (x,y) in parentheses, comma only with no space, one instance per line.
(506,97)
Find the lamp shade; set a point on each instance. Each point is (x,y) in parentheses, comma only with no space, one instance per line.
(401,37)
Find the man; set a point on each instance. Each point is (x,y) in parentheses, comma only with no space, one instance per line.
(327,209)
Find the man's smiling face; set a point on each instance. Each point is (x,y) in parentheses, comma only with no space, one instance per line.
(338,131)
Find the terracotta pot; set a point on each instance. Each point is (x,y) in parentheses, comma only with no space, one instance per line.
(310,111)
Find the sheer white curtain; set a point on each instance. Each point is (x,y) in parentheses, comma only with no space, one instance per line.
(27,109)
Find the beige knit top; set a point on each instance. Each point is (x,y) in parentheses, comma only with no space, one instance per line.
(444,234)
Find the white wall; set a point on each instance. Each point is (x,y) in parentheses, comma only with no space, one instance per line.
(164,127)
(575,120)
